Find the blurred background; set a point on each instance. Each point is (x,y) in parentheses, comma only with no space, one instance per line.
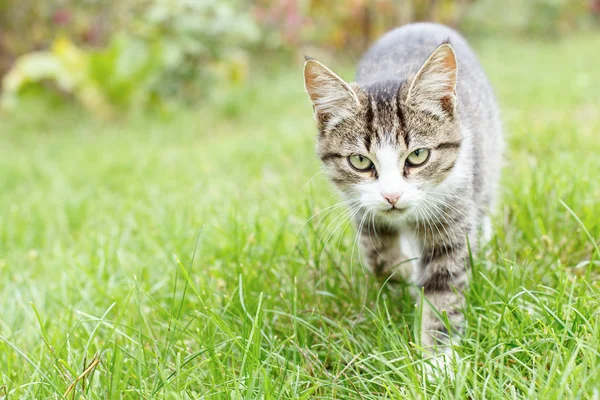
(115,57)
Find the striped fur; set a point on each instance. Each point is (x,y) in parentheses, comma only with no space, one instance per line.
(419,87)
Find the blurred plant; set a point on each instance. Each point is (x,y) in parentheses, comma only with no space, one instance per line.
(353,24)
(284,19)
(171,49)
(104,81)
(30,25)
(204,42)
(595,7)
(540,18)
(556,17)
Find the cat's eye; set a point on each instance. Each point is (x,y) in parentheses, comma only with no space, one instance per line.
(418,157)
(360,163)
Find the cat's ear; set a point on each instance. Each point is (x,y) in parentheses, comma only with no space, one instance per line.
(332,98)
(434,87)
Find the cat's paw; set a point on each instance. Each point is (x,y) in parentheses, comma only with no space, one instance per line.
(441,365)
(440,359)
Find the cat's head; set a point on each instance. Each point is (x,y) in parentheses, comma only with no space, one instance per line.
(388,145)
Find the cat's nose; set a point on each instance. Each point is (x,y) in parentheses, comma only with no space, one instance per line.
(391,198)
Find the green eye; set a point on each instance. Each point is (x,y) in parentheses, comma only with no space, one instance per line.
(418,157)
(360,163)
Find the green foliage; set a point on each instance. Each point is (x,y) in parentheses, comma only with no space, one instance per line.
(542,18)
(117,78)
(204,43)
(174,49)
(557,17)
(181,252)
(352,26)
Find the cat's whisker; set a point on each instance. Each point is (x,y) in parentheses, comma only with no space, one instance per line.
(434,214)
(342,236)
(374,228)
(459,227)
(448,222)
(445,202)
(439,212)
(329,210)
(368,211)
(439,203)
(351,213)
(344,230)
(344,213)
(356,238)
(455,196)
(370,239)
(417,221)
(452,207)
(439,206)
(311,179)
(462,230)
(469,220)
(426,227)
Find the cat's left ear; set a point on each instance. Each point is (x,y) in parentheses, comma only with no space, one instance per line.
(434,87)
(332,98)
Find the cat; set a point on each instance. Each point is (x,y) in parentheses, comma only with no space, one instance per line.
(415,144)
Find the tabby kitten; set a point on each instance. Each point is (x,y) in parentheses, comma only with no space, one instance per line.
(417,143)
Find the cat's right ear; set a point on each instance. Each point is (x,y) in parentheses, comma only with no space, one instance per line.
(332,98)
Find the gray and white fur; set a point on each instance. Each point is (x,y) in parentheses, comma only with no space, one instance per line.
(415,146)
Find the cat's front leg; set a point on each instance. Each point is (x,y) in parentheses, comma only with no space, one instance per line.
(382,253)
(442,276)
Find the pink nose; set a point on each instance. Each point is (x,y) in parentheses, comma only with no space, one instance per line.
(391,198)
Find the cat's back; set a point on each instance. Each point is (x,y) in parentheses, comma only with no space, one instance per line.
(398,55)
(401,52)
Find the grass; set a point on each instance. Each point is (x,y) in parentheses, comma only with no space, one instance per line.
(171,258)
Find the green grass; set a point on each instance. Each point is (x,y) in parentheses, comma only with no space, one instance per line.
(176,250)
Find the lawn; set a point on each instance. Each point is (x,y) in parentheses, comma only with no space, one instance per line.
(175,256)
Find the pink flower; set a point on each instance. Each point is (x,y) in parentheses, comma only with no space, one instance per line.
(62,17)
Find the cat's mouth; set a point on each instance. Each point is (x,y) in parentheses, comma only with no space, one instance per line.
(394,211)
